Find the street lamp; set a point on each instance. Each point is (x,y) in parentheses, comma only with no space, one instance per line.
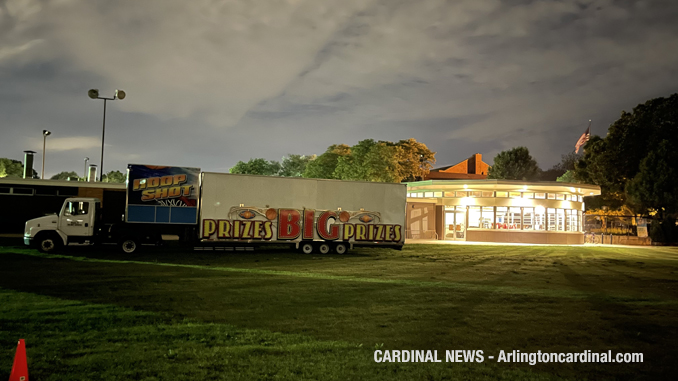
(94,94)
(85,175)
(45,133)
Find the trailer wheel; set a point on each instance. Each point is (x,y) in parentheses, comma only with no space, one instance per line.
(340,248)
(48,243)
(306,248)
(324,248)
(129,245)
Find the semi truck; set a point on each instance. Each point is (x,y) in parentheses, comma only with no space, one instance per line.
(220,211)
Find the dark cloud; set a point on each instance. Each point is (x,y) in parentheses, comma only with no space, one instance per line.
(210,83)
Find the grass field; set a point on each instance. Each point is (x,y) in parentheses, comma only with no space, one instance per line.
(174,314)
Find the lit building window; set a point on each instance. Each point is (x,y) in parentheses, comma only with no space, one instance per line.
(551,215)
(528,218)
(474,217)
(539,218)
(502,214)
(560,220)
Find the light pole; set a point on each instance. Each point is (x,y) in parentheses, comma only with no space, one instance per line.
(45,133)
(85,175)
(94,94)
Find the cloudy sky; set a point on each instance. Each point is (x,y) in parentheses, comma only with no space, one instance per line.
(212,82)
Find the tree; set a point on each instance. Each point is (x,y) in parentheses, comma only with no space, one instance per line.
(415,160)
(295,165)
(66,176)
(114,177)
(11,168)
(514,164)
(370,161)
(257,166)
(614,161)
(324,166)
(655,188)
(567,163)
(567,177)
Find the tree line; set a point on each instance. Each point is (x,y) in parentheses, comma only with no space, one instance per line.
(369,160)
(10,168)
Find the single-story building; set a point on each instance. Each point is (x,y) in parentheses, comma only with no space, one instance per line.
(497,211)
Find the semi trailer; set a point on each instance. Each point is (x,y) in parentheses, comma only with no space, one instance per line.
(220,211)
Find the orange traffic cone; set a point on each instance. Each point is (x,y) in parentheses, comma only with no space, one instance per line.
(20,367)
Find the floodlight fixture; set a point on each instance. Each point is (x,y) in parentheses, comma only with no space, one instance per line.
(45,134)
(94,94)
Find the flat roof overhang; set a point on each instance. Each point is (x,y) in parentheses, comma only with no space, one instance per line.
(505,186)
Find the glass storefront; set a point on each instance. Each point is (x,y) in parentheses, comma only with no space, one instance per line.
(472,211)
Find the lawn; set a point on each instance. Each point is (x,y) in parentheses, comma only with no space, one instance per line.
(321,317)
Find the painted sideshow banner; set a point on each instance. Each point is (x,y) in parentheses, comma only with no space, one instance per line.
(159,194)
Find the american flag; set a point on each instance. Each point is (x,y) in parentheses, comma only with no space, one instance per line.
(583,139)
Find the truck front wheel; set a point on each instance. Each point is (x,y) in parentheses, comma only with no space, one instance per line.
(129,245)
(48,243)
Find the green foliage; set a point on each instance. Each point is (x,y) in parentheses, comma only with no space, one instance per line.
(614,161)
(65,176)
(11,168)
(114,177)
(567,177)
(323,166)
(257,166)
(369,160)
(295,165)
(655,187)
(514,164)
(415,160)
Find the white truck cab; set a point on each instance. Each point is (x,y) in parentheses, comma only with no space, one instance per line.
(74,224)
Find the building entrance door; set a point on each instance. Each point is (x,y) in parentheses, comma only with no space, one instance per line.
(455,225)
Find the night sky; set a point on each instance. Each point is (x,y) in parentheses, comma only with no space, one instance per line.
(212,82)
